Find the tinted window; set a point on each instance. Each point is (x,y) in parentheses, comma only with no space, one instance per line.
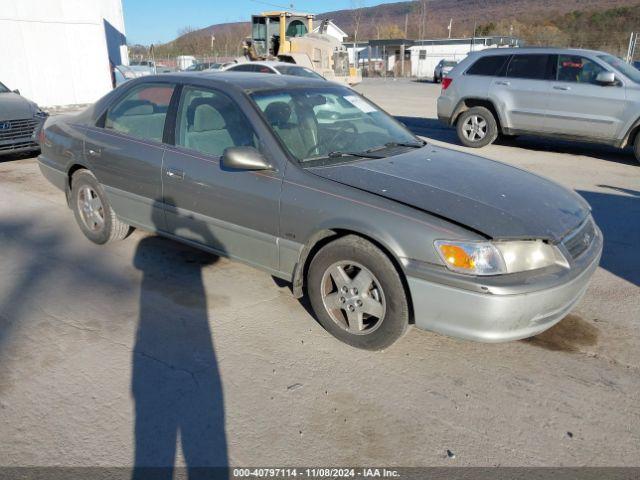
(211,122)
(243,68)
(534,67)
(576,69)
(3,89)
(141,113)
(298,72)
(489,66)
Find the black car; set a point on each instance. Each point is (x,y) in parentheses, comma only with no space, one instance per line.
(20,119)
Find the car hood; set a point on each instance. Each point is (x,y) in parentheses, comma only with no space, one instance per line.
(15,107)
(495,199)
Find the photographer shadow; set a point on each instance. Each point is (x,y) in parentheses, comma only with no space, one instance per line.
(176,383)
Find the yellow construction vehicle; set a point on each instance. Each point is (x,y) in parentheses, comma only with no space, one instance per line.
(289,37)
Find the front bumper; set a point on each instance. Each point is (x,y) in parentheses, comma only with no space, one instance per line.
(490,317)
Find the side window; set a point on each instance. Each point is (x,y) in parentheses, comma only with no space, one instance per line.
(243,68)
(210,122)
(491,66)
(422,55)
(142,112)
(263,69)
(576,69)
(533,67)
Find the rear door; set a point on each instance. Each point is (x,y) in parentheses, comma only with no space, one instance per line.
(125,151)
(579,106)
(521,92)
(234,212)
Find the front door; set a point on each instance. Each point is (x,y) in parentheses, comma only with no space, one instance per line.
(125,151)
(233,212)
(579,106)
(521,94)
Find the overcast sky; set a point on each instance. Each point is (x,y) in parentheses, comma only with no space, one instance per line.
(152,21)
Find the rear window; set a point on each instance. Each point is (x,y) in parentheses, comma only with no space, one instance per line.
(490,65)
(532,67)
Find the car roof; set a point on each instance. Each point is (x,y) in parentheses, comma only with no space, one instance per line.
(271,63)
(247,81)
(548,50)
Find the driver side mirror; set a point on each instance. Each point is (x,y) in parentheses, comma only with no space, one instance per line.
(244,158)
(606,78)
(16,91)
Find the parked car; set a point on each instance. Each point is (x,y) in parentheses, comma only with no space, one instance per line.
(199,67)
(574,94)
(20,120)
(278,68)
(124,73)
(442,69)
(377,227)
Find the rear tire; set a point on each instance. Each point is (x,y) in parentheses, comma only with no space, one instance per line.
(636,147)
(477,127)
(94,215)
(357,293)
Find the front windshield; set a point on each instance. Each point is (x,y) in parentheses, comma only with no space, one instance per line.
(630,72)
(322,123)
(298,71)
(3,89)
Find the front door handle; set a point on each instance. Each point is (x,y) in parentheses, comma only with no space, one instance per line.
(95,152)
(175,174)
(503,82)
(561,87)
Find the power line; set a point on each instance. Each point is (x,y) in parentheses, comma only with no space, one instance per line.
(273,4)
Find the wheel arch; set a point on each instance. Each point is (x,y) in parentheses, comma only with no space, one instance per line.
(73,168)
(631,135)
(327,235)
(468,103)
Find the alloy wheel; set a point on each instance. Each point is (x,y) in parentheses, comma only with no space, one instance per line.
(91,209)
(353,297)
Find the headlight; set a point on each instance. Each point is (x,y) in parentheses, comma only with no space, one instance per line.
(495,258)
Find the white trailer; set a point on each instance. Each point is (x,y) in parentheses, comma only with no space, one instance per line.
(58,52)
(426,54)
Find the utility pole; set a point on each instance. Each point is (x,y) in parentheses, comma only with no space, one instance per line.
(406,24)
(449,27)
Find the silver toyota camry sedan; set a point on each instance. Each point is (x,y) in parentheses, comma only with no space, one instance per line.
(315,184)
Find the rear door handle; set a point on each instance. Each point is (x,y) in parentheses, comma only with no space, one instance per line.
(561,87)
(95,152)
(175,174)
(503,82)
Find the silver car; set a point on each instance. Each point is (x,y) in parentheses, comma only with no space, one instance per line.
(573,94)
(442,69)
(20,121)
(378,228)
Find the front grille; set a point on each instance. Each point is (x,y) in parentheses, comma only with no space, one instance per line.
(17,129)
(578,241)
(17,146)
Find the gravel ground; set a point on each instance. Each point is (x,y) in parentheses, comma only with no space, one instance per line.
(146,349)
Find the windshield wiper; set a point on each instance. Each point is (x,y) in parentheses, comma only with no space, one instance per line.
(420,144)
(365,154)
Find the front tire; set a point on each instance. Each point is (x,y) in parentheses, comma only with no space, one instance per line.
(477,127)
(94,215)
(357,293)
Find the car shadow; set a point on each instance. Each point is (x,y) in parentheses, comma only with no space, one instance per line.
(618,216)
(176,382)
(435,130)
(11,157)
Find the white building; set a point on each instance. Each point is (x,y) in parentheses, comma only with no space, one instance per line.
(332,30)
(58,52)
(426,54)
